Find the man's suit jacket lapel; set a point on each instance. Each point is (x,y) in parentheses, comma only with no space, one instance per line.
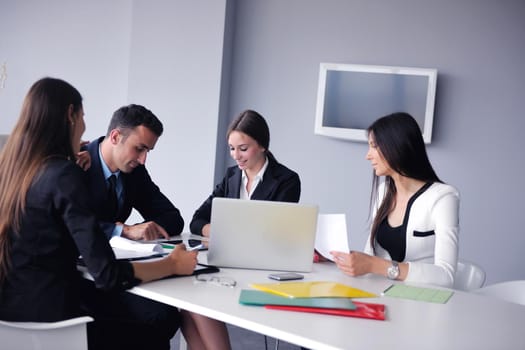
(97,182)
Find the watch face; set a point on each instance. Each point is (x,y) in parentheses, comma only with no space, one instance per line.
(393,271)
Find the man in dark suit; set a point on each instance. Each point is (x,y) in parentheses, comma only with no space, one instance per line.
(121,154)
(132,133)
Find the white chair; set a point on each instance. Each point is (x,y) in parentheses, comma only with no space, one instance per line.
(512,291)
(469,276)
(63,335)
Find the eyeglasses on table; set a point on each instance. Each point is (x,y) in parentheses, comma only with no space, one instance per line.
(217,280)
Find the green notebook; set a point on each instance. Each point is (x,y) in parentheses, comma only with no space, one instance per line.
(418,293)
(256,297)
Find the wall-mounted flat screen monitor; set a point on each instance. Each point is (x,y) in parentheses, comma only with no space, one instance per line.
(351,97)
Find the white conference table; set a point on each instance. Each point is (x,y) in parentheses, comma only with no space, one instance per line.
(466,321)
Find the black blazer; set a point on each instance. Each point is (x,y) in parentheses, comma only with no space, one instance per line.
(57,225)
(139,192)
(279,184)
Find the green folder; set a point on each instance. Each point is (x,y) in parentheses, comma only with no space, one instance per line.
(432,295)
(256,297)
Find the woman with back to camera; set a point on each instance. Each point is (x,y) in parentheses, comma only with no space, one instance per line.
(46,223)
(415,225)
(257,175)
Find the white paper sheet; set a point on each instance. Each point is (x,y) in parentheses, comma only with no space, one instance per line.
(331,234)
(127,249)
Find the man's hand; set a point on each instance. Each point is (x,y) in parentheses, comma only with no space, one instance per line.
(147,231)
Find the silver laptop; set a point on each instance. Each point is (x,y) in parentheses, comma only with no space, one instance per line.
(253,234)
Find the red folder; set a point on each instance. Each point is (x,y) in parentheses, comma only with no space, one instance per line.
(363,310)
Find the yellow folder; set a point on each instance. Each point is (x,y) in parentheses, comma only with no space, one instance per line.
(312,289)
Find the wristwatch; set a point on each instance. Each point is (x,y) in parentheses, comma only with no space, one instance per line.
(393,271)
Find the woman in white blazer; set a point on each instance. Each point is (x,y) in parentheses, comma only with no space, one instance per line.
(415,218)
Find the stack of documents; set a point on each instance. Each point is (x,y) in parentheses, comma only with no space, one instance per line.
(256,297)
(318,297)
(313,289)
(127,249)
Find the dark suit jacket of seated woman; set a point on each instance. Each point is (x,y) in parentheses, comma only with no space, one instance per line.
(279,184)
(58,226)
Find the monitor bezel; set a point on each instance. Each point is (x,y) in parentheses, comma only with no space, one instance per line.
(360,134)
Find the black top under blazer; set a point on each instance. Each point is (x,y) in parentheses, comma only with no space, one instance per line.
(56,227)
(279,184)
(139,192)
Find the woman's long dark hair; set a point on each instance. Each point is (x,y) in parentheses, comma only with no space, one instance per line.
(43,130)
(254,125)
(399,140)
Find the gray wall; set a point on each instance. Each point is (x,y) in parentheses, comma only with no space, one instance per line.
(198,63)
(166,55)
(478,48)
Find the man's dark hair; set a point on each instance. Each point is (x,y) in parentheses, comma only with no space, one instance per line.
(129,117)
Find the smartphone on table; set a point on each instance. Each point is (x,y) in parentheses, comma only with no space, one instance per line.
(286,276)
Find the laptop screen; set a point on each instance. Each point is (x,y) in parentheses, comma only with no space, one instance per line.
(265,235)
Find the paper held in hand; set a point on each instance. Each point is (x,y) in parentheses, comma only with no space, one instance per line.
(127,249)
(331,234)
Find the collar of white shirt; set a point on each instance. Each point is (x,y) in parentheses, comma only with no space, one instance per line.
(258,178)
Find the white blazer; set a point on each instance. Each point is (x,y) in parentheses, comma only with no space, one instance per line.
(431,237)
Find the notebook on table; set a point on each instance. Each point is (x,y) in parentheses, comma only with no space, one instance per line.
(254,234)
(313,289)
(257,297)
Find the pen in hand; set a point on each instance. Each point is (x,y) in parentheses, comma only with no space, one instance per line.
(188,248)
(199,246)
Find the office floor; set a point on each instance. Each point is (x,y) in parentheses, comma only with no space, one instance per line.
(242,339)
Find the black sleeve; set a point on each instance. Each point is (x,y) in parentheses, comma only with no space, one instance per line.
(202,215)
(71,200)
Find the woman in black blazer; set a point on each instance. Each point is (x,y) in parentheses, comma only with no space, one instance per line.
(257,175)
(46,223)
